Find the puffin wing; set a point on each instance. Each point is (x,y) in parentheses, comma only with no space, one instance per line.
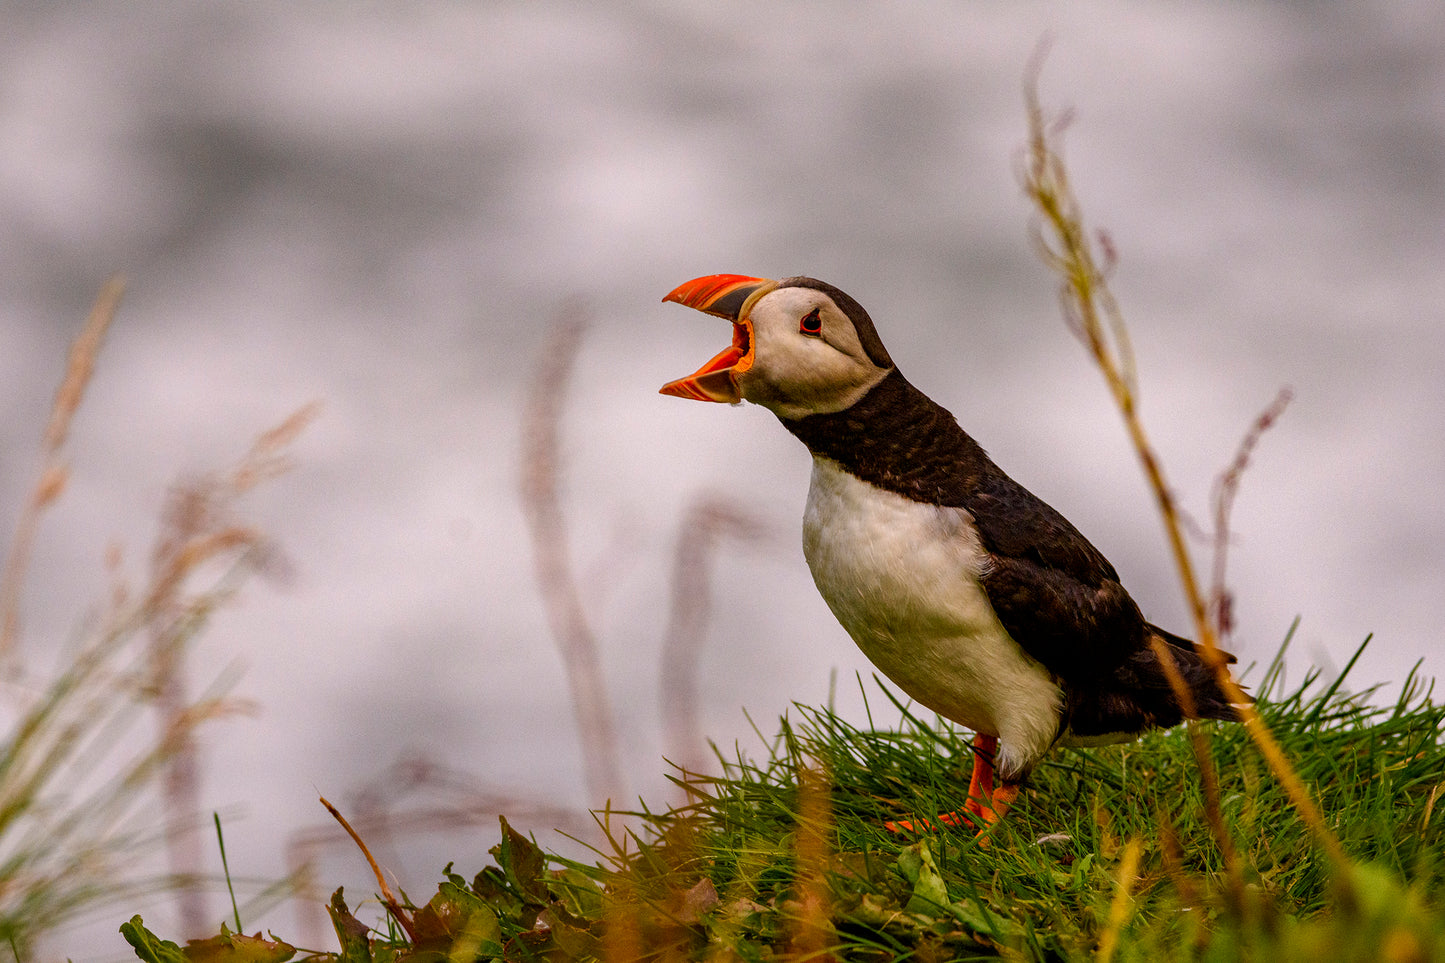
(1061,601)
(1055,593)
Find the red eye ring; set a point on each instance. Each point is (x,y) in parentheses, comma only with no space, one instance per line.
(812,323)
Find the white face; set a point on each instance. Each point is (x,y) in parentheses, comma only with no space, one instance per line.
(798,371)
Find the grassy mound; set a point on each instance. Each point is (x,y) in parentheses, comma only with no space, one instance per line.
(1109,854)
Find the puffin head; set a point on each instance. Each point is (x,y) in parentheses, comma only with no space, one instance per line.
(800,346)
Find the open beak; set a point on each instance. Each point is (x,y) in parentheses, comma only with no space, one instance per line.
(729,296)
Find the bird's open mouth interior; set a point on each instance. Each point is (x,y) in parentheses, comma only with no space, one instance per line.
(715,381)
(742,346)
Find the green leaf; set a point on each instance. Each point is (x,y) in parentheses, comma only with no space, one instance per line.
(930,892)
(977,918)
(492,887)
(148,946)
(522,862)
(577,942)
(577,893)
(460,925)
(450,913)
(350,931)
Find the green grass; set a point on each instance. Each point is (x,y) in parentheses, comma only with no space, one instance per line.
(757,867)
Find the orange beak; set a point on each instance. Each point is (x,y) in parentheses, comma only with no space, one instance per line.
(728,296)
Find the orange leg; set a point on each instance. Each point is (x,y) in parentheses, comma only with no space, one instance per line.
(980,784)
(985,804)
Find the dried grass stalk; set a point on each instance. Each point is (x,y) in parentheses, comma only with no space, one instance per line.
(198,528)
(53,471)
(1091,311)
(707,519)
(570,627)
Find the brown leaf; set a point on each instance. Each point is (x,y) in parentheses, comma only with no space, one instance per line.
(228,947)
(697,901)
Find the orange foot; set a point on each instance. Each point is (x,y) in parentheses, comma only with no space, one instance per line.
(985,804)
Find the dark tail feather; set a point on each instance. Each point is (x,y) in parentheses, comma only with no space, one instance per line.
(1210,701)
(1138,696)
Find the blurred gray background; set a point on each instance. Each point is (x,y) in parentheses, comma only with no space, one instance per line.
(385,207)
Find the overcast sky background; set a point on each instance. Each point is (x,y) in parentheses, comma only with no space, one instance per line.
(385,208)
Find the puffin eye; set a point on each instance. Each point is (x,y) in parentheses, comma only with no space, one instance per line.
(812,323)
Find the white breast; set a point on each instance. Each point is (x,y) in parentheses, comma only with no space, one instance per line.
(903,579)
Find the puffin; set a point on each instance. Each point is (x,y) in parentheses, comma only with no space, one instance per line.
(970,593)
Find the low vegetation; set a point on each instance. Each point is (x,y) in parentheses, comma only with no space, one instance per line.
(1109,855)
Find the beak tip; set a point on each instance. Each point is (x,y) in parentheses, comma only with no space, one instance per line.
(711,386)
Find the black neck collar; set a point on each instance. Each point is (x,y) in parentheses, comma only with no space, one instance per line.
(899,439)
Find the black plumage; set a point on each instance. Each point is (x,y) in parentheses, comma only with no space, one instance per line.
(1057,595)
